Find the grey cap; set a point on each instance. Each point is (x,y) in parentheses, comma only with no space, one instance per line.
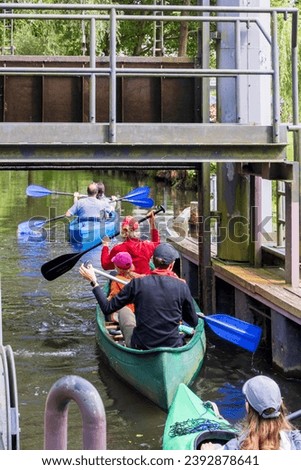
(166,252)
(264,396)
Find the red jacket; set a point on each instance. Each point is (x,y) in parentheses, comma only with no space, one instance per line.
(141,252)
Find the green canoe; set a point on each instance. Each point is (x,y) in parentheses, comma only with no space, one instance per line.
(191,421)
(155,373)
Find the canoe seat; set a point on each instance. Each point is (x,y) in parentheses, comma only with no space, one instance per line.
(114,332)
(117,338)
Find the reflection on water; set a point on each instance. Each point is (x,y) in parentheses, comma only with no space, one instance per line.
(51,326)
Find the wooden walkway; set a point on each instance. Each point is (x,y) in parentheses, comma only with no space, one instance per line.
(265,284)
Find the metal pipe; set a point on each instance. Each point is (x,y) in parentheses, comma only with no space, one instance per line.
(131,72)
(237,66)
(295,92)
(113,81)
(296,127)
(92,94)
(276,79)
(262,29)
(92,410)
(121,17)
(133,7)
(1,337)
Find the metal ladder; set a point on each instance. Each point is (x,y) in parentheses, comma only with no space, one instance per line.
(158,32)
(7,47)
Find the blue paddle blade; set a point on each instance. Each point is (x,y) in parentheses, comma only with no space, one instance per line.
(145,203)
(139,193)
(30,226)
(37,191)
(236,331)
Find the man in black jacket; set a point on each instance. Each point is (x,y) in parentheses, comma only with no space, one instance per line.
(161,301)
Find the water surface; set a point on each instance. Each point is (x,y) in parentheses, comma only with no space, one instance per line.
(51,328)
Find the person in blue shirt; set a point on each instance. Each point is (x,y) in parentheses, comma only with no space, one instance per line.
(90,207)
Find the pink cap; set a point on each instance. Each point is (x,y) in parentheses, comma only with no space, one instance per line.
(130,222)
(123,260)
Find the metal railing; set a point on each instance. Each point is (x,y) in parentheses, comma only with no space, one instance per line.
(94,428)
(116,13)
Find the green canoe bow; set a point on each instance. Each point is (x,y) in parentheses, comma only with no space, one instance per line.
(155,373)
(191,421)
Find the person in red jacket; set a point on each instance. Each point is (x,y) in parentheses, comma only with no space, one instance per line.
(141,251)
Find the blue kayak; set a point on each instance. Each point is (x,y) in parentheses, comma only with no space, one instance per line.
(90,231)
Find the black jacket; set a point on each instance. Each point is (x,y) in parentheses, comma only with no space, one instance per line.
(160,303)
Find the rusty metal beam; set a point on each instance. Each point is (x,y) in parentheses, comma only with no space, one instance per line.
(281,171)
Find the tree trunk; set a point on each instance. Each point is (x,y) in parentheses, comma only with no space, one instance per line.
(183,39)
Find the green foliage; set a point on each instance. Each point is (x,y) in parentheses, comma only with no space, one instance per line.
(57,37)
(136,38)
(285,58)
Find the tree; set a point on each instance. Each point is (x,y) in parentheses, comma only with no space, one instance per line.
(284,44)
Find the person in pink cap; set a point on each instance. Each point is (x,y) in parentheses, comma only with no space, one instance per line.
(162,301)
(141,251)
(123,264)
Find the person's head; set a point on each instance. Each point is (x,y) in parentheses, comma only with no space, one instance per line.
(129,227)
(92,190)
(101,189)
(123,261)
(263,395)
(266,414)
(164,255)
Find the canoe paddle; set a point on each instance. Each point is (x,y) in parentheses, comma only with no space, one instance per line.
(234,330)
(39,191)
(62,264)
(35,223)
(105,274)
(145,203)
(294,415)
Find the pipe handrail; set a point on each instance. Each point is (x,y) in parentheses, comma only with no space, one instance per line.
(133,7)
(92,411)
(114,13)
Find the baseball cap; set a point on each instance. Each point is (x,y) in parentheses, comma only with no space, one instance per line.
(123,260)
(130,223)
(166,252)
(264,396)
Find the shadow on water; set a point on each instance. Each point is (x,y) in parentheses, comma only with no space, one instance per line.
(51,325)
(142,422)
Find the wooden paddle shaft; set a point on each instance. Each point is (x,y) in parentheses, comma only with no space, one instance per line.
(110,276)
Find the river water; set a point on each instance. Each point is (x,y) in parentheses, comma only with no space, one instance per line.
(50,325)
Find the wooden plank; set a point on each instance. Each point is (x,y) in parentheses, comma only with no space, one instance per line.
(269,275)
(281,297)
(294,290)
(235,274)
(266,282)
(251,275)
